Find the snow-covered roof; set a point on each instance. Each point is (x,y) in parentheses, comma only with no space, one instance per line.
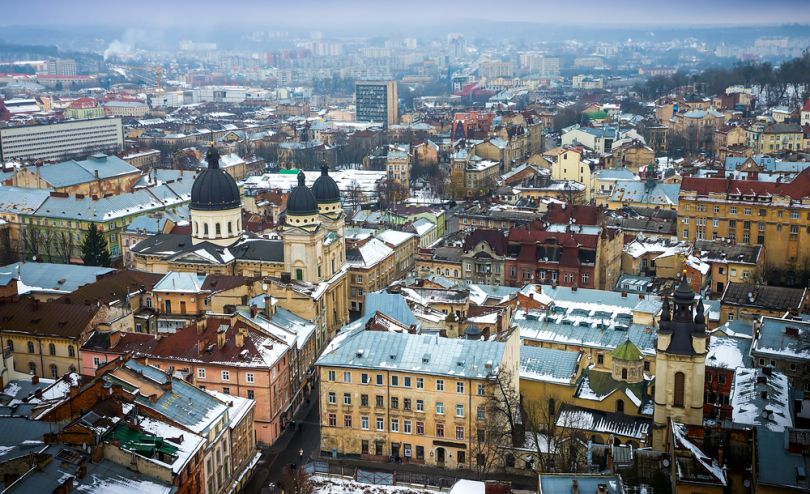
(761,397)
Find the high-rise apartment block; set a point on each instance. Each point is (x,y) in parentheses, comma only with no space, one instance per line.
(377,102)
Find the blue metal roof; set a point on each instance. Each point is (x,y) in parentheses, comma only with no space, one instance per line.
(416,353)
(75,172)
(775,340)
(563,483)
(390,304)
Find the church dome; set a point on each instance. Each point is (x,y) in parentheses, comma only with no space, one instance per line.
(302,201)
(325,188)
(214,189)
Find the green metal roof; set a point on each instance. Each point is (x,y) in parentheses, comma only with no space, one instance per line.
(627,351)
(291,171)
(143,443)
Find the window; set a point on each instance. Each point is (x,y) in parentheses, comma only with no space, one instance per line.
(394,380)
(226,390)
(250,394)
(480,413)
(481,435)
(332,420)
(54,371)
(462,457)
(647,365)
(347,377)
(380,424)
(620,406)
(586,278)
(685,233)
(481,390)
(459,410)
(716,209)
(460,387)
(364,378)
(406,404)
(379,379)
(460,433)
(747,211)
(52,349)
(332,398)
(733,210)
(299,274)
(347,398)
(32,368)
(440,408)
(249,378)
(364,425)
(406,426)
(420,428)
(201,373)
(439,429)
(420,406)
(364,446)
(30,347)
(347,421)
(407,382)
(394,402)
(331,376)
(10,345)
(226,376)
(439,384)
(379,403)
(394,425)
(715,222)
(420,383)
(363,400)
(680,379)
(600,359)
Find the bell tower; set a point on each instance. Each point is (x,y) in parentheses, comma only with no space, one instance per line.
(680,362)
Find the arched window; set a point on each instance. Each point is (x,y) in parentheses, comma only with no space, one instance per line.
(30,347)
(52,349)
(680,380)
(196,228)
(71,351)
(217,229)
(624,372)
(230,228)
(10,345)
(54,371)
(32,368)
(620,406)
(205,228)
(552,405)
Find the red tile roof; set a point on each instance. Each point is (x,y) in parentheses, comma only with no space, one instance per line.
(47,318)
(582,214)
(806,106)
(796,189)
(495,239)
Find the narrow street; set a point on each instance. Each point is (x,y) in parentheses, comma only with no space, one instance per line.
(287,448)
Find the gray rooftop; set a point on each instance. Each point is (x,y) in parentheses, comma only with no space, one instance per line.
(424,354)
(390,304)
(782,339)
(75,172)
(21,200)
(547,364)
(564,483)
(54,278)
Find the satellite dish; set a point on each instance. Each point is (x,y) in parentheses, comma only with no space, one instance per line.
(666,462)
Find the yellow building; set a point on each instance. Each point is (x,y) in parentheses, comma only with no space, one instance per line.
(45,337)
(372,266)
(750,212)
(420,398)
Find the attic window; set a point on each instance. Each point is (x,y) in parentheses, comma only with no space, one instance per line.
(393,356)
(426,358)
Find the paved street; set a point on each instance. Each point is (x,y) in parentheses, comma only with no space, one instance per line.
(286,450)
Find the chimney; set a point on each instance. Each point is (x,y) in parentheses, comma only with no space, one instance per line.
(34,305)
(286,277)
(601,489)
(201,344)
(792,331)
(767,371)
(115,338)
(253,311)
(35,379)
(37,392)
(574,287)
(574,487)
(240,337)
(221,333)
(624,294)
(268,306)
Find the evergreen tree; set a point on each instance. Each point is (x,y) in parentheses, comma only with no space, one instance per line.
(94,248)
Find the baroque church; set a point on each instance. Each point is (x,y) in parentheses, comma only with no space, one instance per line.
(304,266)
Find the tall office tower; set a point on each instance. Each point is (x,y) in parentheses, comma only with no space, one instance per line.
(377,102)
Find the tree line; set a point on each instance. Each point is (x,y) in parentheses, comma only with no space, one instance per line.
(785,84)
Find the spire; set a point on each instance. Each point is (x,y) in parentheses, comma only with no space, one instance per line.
(302,179)
(700,316)
(212,157)
(665,314)
(324,169)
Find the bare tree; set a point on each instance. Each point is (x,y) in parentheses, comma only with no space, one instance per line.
(64,247)
(555,439)
(296,481)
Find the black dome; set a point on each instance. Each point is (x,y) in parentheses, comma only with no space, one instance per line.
(325,188)
(302,200)
(214,189)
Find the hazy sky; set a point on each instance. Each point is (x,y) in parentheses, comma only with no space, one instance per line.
(323,14)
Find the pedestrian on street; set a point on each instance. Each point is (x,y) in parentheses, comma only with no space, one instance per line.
(301,455)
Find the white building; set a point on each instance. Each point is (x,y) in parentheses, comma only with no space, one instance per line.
(61,140)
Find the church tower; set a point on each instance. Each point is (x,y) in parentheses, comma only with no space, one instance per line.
(680,363)
(303,235)
(333,219)
(216,206)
